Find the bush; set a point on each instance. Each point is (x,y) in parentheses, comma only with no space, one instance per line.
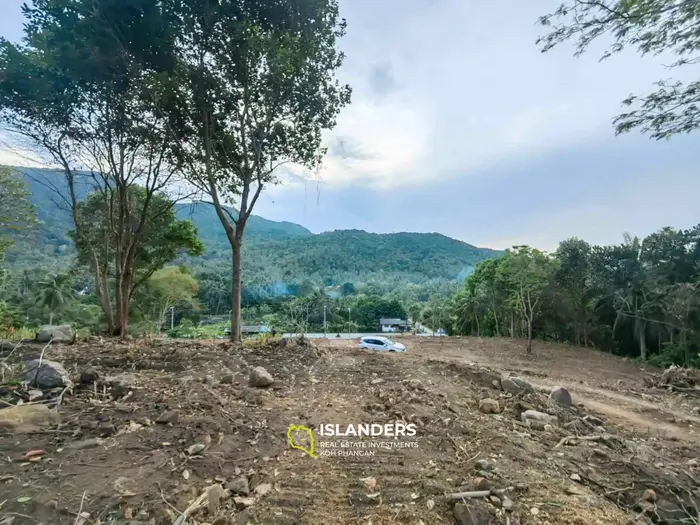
(676,354)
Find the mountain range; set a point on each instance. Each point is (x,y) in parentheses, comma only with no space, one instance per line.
(273,251)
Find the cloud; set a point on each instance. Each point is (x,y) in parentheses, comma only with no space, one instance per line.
(459,124)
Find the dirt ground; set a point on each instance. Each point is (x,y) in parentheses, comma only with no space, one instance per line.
(157,427)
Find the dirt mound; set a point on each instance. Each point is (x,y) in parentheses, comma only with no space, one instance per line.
(153,431)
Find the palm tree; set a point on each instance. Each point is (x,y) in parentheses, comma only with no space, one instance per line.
(54,292)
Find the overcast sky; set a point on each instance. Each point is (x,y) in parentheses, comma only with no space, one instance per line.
(459,125)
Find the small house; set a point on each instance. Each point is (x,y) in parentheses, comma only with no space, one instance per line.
(393,325)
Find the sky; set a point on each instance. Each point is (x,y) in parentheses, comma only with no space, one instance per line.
(460,125)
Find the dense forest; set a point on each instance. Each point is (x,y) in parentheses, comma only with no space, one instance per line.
(639,298)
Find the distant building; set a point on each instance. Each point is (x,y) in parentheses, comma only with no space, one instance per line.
(393,325)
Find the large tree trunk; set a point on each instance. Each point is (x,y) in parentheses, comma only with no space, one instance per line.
(529,335)
(642,340)
(102,293)
(236,290)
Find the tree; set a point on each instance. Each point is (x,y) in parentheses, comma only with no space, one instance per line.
(88,89)
(172,285)
(572,276)
(652,27)
(161,239)
(55,292)
(16,214)
(528,271)
(257,88)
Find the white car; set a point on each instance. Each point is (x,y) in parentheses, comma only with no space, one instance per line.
(383,344)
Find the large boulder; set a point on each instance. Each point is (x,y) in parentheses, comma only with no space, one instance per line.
(516,385)
(560,396)
(45,374)
(24,419)
(260,377)
(56,334)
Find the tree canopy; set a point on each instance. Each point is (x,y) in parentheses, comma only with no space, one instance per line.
(651,27)
(638,298)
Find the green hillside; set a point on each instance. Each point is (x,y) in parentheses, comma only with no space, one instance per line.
(275,252)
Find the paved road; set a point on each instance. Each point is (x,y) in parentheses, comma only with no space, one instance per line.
(350,336)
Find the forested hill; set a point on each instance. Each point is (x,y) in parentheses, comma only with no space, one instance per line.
(274,251)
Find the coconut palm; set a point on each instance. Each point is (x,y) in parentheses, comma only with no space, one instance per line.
(55,292)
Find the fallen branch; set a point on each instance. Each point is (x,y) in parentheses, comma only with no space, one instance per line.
(567,439)
(12,351)
(470,494)
(199,502)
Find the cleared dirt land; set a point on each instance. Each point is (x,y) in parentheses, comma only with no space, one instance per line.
(157,428)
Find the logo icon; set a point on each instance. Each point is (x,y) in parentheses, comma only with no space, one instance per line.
(301,428)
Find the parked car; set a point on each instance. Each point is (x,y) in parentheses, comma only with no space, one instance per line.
(382,344)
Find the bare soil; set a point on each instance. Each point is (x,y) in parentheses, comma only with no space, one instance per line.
(110,459)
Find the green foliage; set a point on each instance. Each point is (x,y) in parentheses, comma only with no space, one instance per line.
(162,240)
(640,297)
(16,214)
(651,27)
(56,293)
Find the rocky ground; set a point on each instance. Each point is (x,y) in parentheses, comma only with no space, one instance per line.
(156,432)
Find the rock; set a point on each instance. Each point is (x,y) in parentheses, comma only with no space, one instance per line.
(483,464)
(35,395)
(482,484)
(470,516)
(243,503)
(575,477)
(239,486)
(508,504)
(55,334)
(262,489)
(106,429)
(227,379)
(243,517)
(23,419)
(120,384)
(489,406)
(649,495)
(496,384)
(377,381)
(84,444)
(534,511)
(47,374)
(430,504)
(169,416)
(560,396)
(516,385)
(537,420)
(259,377)
(208,380)
(415,384)
(88,375)
(495,501)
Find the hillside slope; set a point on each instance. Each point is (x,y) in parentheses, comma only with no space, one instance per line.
(274,251)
